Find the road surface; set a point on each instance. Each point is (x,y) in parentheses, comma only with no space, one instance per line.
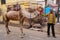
(29,34)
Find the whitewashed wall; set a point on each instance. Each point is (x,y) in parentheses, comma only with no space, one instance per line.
(52,2)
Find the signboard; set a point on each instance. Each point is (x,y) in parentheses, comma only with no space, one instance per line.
(41,3)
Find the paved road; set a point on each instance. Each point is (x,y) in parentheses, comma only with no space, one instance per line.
(30,34)
(57,28)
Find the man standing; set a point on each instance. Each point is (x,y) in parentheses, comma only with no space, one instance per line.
(51,23)
(18,6)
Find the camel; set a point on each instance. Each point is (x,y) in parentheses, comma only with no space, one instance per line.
(13,15)
(19,16)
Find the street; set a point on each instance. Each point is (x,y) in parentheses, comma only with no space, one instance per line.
(29,34)
(23,10)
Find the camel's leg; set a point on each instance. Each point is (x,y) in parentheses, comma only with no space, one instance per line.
(21,28)
(21,22)
(41,29)
(41,23)
(6,25)
(30,26)
(21,19)
(5,20)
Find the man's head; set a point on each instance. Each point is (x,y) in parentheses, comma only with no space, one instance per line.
(51,11)
(40,9)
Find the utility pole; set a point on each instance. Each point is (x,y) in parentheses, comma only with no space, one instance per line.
(45,2)
(58,11)
(45,9)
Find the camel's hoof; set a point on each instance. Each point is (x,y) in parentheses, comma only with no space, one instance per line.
(30,26)
(22,36)
(8,32)
(41,30)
